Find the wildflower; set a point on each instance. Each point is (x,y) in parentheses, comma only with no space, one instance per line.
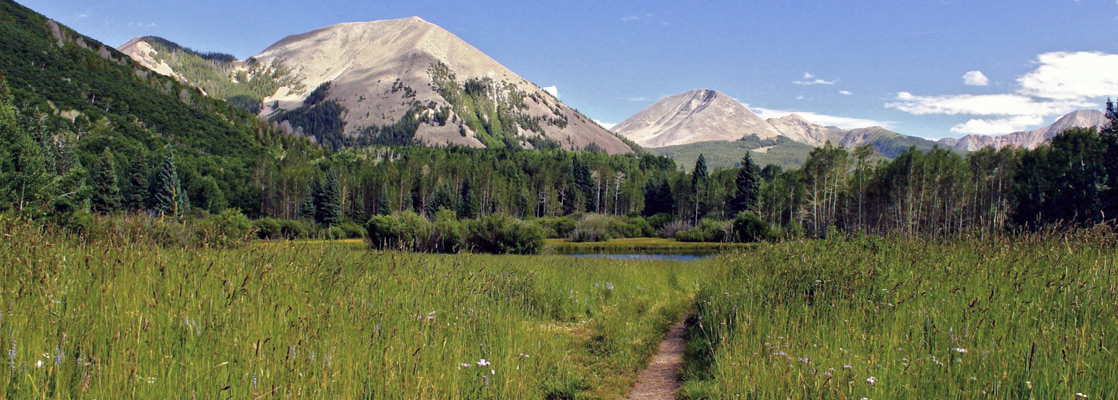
(804,360)
(871,380)
(827,374)
(960,350)
(12,356)
(492,372)
(522,355)
(609,286)
(39,364)
(151,380)
(848,366)
(1080,395)
(59,355)
(253,381)
(483,363)
(1029,384)
(466,365)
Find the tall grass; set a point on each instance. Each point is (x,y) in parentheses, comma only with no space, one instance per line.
(85,318)
(1033,317)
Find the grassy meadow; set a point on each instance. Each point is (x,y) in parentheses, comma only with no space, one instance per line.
(128,319)
(1028,318)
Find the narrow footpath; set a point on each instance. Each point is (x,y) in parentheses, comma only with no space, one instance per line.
(661,379)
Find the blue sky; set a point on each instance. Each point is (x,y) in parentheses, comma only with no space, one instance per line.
(931,68)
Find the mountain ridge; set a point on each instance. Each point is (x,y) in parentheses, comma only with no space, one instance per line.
(704,115)
(381,73)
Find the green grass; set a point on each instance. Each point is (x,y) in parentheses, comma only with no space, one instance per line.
(1033,317)
(639,244)
(121,318)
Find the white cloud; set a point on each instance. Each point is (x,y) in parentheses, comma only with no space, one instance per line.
(634,99)
(606,125)
(815,82)
(1071,76)
(975,78)
(820,119)
(988,104)
(846,92)
(998,126)
(553,90)
(810,79)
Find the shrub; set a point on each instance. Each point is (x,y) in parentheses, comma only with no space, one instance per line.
(293,229)
(659,221)
(383,232)
(673,229)
(224,229)
(267,228)
(709,230)
(501,234)
(450,237)
(748,228)
(275,228)
(592,228)
(352,230)
(556,227)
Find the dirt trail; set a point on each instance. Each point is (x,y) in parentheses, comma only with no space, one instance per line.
(661,379)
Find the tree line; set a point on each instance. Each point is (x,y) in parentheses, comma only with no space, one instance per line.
(46,170)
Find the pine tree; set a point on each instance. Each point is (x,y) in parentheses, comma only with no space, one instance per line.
(307,210)
(746,185)
(106,196)
(440,201)
(168,195)
(328,203)
(382,207)
(468,206)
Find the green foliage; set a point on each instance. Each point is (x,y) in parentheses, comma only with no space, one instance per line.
(708,230)
(318,117)
(747,186)
(274,228)
(500,234)
(106,197)
(167,194)
(328,202)
(748,228)
(1063,182)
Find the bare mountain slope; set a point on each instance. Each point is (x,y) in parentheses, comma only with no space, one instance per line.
(695,116)
(381,72)
(1030,139)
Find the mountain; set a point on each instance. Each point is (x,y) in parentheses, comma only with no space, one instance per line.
(1030,139)
(699,120)
(695,116)
(403,81)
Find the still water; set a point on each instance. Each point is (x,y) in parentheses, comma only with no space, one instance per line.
(648,256)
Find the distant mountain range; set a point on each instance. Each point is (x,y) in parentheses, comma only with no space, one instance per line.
(706,115)
(680,124)
(370,78)
(1030,139)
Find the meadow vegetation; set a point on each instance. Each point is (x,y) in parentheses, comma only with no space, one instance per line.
(1023,317)
(118,315)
